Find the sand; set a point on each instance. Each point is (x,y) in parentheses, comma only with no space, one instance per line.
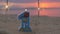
(45,25)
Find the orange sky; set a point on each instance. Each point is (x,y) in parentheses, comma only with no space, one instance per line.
(42,5)
(50,5)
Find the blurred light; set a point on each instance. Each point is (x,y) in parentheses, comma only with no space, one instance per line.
(38,8)
(25,9)
(6,6)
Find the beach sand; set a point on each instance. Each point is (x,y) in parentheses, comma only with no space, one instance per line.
(39,25)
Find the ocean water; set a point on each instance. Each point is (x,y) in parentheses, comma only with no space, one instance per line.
(42,12)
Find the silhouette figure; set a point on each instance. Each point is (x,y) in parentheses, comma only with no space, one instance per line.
(25,17)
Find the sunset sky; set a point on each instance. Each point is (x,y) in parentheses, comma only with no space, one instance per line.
(49,7)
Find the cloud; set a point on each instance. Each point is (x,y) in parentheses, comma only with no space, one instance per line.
(50,4)
(50,0)
(23,1)
(26,5)
(30,1)
(20,4)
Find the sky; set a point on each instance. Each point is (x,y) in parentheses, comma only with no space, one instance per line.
(49,7)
